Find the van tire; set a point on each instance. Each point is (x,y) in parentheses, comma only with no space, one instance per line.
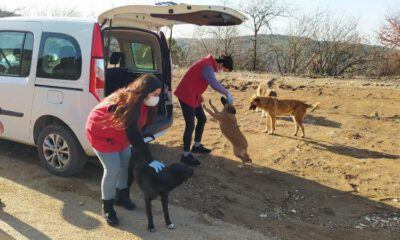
(60,151)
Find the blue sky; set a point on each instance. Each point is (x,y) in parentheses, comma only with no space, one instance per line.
(370,13)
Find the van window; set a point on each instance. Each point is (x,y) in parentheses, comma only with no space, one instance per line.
(59,57)
(15,53)
(143,56)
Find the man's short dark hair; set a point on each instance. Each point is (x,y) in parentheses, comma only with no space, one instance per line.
(226,61)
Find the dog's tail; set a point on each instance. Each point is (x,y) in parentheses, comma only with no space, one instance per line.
(313,107)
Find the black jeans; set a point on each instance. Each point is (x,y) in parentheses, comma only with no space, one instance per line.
(188,114)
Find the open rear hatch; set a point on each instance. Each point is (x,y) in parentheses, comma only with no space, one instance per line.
(153,17)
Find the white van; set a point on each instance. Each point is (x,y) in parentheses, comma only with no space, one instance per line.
(53,71)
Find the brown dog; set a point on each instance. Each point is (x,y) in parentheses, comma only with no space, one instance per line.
(230,129)
(280,107)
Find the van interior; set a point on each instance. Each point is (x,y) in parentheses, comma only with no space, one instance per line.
(130,53)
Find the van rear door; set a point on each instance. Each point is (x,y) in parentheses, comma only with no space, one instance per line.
(153,17)
(166,75)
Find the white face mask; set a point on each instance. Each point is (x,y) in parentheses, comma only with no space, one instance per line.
(151,101)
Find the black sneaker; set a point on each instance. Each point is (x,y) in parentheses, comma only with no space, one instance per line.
(200,149)
(190,160)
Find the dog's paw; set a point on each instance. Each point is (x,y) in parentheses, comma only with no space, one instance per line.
(151,229)
(171,226)
(265,131)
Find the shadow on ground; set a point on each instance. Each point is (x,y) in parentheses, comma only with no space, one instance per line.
(315,120)
(24,229)
(359,153)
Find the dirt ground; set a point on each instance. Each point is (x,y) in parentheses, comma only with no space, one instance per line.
(340,182)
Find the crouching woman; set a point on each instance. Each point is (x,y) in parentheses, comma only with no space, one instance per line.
(115,124)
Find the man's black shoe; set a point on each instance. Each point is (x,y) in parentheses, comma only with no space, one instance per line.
(190,160)
(200,149)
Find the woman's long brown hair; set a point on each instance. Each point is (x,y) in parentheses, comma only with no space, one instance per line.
(126,102)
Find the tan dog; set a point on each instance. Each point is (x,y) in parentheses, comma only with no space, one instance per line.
(265,89)
(280,107)
(230,129)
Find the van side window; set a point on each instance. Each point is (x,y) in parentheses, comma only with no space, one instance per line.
(15,53)
(59,57)
(143,56)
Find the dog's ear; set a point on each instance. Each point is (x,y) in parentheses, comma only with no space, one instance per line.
(224,101)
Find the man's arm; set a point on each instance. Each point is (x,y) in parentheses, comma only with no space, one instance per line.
(209,75)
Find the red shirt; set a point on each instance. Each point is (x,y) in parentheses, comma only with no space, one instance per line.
(193,84)
(103,136)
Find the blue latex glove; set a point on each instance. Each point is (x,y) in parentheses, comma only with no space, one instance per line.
(156,165)
(229,97)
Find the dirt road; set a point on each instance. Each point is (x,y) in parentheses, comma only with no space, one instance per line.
(341,182)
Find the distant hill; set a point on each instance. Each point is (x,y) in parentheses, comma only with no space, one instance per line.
(242,39)
(348,58)
(247,41)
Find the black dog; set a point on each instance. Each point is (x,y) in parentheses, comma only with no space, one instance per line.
(155,184)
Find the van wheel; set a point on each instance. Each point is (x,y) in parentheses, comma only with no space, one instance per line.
(59,151)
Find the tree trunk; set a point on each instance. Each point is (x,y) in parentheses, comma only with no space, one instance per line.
(255,51)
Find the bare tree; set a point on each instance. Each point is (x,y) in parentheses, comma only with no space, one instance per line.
(8,13)
(389,34)
(388,60)
(321,44)
(225,39)
(261,13)
(338,48)
(291,56)
(53,12)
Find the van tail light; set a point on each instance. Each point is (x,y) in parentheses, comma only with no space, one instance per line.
(97,78)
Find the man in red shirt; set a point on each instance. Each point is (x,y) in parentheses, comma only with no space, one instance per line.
(189,92)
